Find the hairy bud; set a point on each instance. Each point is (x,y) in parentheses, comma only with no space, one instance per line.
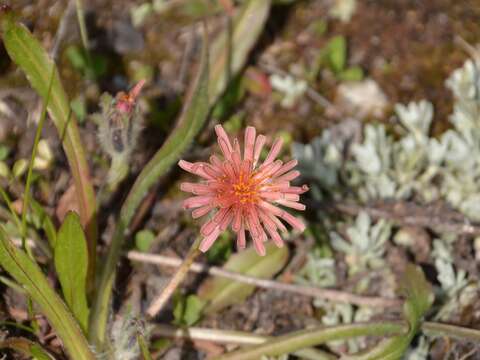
(119,126)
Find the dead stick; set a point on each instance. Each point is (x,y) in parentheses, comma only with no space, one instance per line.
(326,294)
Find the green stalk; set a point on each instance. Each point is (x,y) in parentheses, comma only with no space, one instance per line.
(311,337)
(28,182)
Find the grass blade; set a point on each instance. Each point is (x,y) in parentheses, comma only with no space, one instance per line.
(34,61)
(231,49)
(27,273)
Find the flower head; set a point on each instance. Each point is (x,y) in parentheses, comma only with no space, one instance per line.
(244,194)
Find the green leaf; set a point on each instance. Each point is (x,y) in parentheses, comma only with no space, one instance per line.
(34,61)
(221,293)
(354,73)
(4,152)
(71,263)
(191,120)
(27,273)
(337,53)
(187,309)
(231,49)
(143,240)
(419,298)
(142,343)
(79,108)
(26,347)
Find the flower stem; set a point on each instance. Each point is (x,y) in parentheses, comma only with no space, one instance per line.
(157,305)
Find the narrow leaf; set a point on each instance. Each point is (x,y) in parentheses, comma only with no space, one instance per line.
(143,344)
(231,49)
(27,273)
(221,293)
(34,61)
(71,263)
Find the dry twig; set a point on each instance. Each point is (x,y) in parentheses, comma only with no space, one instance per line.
(326,294)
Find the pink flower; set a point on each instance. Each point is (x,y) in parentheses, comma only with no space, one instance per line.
(242,193)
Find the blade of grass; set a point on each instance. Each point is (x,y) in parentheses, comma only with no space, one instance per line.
(28,182)
(29,55)
(27,273)
(231,49)
(192,119)
(83,32)
(8,202)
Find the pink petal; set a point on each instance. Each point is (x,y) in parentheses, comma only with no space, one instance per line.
(293,221)
(135,91)
(286,167)
(228,170)
(249,143)
(241,241)
(269,208)
(202,211)
(265,171)
(258,148)
(236,146)
(289,176)
(237,161)
(221,134)
(197,189)
(279,224)
(227,219)
(224,142)
(194,168)
(281,187)
(291,204)
(210,225)
(291,197)
(237,220)
(197,201)
(246,169)
(215,161)
(208,241)
(270,195)
(297,189)
(274,151)
(271,228)
(277,239)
